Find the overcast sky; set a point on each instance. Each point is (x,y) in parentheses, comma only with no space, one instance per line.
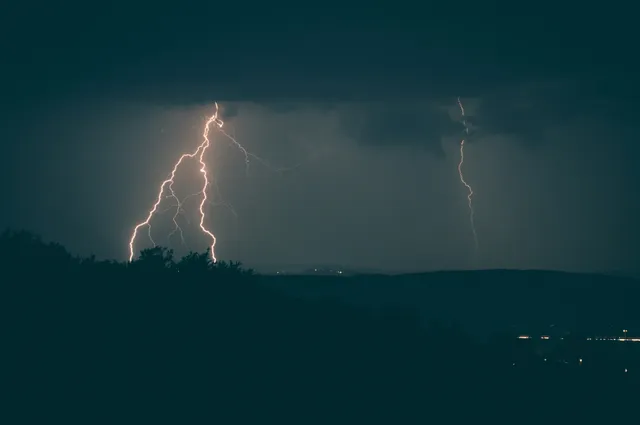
(358,121)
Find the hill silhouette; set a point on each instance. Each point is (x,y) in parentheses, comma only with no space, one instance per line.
(165,340)
(487,301)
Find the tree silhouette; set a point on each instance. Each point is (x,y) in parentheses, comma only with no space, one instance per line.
(28,252)
(195,262)
(156,259)
(232,268)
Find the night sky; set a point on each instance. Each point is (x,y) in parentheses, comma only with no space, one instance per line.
(98,103)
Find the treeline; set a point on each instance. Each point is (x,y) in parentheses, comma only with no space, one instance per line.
(22,250)
(164,341)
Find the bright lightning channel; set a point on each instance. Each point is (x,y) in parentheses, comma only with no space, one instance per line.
(167,185)
(469,189)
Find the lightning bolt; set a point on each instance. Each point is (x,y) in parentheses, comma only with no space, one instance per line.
(469,189)
(166,190)
(167,185)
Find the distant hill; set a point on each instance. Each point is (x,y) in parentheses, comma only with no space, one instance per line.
(488,300)
(318,269)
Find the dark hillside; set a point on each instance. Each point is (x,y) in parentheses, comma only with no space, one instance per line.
(166,341)
(490,300)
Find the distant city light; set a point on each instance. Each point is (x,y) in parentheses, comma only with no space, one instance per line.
(589,338)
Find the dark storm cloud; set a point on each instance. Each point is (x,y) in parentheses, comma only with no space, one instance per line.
(284,107)
(401,124)
(229,110)
(205,52)
(200,55)
(527,112)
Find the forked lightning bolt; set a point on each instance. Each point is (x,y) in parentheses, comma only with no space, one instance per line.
(168,184)
(469,189)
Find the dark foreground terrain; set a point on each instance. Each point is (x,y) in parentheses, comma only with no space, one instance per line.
(160,341)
